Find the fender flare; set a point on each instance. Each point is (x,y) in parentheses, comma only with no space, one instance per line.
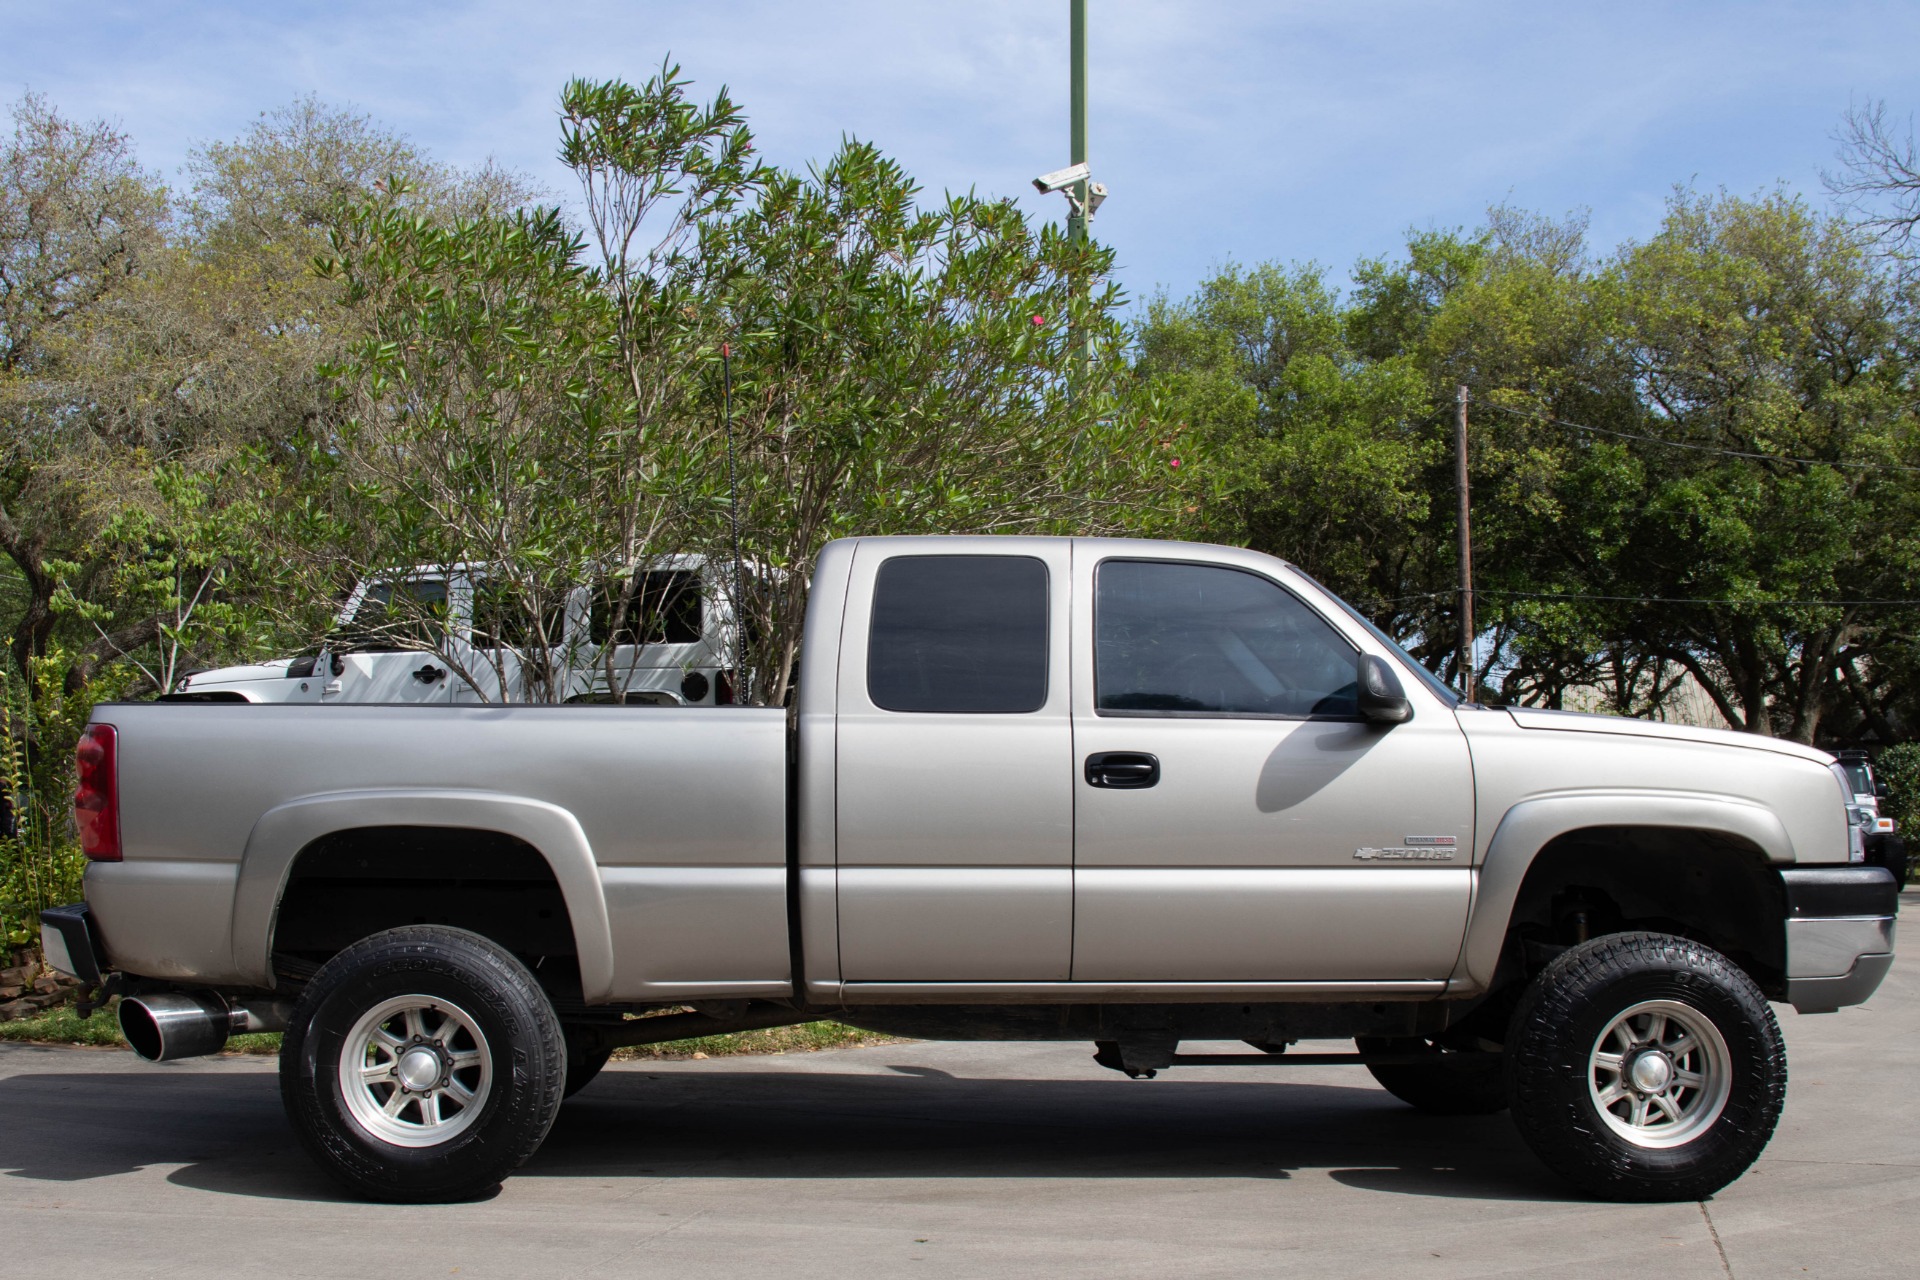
(282,832)
(1531,825)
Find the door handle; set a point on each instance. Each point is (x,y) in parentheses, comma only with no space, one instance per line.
(428,673)
(1122,770)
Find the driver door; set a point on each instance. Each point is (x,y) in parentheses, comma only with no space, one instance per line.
(1279,837)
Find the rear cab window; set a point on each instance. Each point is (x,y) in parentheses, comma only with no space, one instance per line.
(959,634)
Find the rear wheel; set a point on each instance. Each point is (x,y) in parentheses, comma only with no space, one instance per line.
(1643,1066)
(422,1064)
(1451,1085)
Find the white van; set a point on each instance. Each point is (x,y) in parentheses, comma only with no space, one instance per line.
(673,651)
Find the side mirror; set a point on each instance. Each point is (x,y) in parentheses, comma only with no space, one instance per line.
(1382,700)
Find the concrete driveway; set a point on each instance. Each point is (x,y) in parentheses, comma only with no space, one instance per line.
(954,1159)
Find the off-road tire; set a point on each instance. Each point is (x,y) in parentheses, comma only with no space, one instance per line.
(1476,1087)
(1554,1059)
(445,972)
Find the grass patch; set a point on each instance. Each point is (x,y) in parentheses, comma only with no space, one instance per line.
(63,1026)
(808,1037)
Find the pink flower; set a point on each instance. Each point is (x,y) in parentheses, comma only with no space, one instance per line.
(1039,320)
(1175,464)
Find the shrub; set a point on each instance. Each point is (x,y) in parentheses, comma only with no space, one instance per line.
(40,860)
(1899,768)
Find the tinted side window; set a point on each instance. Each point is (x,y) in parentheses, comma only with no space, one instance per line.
(1197,639)
(959,633)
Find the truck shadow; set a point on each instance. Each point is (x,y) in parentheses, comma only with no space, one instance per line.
(225,1129)
(227,1133)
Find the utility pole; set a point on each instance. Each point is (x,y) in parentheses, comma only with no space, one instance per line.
(1466,547)
(1076,183)
(1077,218)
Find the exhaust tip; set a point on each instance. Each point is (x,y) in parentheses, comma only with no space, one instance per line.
(140,1030)
(161,1028)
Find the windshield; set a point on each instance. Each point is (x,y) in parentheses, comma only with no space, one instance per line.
(1433,682)
(1861,774)
(395,617)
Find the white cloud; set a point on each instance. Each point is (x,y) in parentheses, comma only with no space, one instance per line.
(1290,130)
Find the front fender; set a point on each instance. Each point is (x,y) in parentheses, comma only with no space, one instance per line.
(282,832)
(1531,825)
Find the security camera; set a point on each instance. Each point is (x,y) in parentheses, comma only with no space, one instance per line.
(1096,195)
(1061,179)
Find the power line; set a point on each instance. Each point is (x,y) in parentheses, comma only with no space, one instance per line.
(1770,604)
(1579,595)
(1705,448)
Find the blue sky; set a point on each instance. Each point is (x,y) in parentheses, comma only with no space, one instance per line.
(1246,131)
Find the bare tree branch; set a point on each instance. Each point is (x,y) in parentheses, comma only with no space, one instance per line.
(1879,174)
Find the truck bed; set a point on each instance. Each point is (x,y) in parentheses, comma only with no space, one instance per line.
(675,820)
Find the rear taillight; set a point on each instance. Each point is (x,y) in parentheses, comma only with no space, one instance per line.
(96,801)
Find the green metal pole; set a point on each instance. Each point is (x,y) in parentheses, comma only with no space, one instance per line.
(1077,221)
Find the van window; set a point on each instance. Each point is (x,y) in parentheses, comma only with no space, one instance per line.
(964,634)
(664,609)
(504,618)
(1190,639)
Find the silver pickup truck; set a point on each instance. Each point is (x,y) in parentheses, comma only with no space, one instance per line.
(1125,792)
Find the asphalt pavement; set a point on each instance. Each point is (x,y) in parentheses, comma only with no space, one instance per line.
(955,1159)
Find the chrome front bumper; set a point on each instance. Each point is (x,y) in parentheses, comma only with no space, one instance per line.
(1839,935)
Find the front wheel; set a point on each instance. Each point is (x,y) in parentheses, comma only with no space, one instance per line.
(1642,1066)
(422,1065)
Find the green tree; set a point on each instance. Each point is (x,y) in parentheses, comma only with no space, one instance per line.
(1721,414)
(517,406)
(1767,351)
(905,368)
(79,219)
(662,178)
(1328,423)
(151,341)
(482,424)
(1314,451)
(1898,769)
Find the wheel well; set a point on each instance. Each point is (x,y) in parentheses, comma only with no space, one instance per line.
(1708,886)
(350,884)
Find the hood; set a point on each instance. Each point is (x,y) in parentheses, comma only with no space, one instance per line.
(275,670)
(1582,722)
